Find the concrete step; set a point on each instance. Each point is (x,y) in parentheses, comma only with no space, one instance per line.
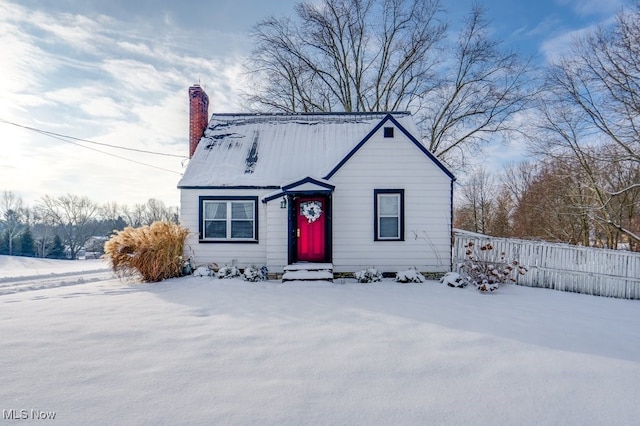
(309,266)
(308,272)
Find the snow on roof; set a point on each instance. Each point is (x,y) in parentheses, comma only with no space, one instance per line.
(271,149)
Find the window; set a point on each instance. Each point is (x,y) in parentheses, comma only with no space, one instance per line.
(229,219)
(389,214)
(388,132)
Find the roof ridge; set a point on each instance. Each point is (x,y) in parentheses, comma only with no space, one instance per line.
(309,114)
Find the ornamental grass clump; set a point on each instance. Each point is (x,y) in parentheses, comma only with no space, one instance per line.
(152,252)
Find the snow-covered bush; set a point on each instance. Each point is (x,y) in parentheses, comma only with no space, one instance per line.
(152,252)
(453,279)
(228,271)
(203,271)
(484,269)
(253,273)
(410,276)
(369,275)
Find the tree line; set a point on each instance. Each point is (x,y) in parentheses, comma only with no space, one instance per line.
(554,200)
(62,226)
(578,114)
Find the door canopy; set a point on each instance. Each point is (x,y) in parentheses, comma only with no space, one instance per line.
(307,185)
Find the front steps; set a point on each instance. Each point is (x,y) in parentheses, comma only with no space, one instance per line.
(308,272)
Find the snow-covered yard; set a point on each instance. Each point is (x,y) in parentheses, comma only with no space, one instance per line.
(199,350)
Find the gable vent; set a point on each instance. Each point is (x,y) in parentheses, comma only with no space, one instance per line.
(388,132)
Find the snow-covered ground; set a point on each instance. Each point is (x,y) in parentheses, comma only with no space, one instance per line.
(24,273)
(198,350)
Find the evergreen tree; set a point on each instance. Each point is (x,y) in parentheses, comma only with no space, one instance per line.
(56,250)
(25,244)
(4,243)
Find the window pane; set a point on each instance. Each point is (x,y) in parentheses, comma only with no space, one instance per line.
(242,229)
(242,210)
(389,227)
(215,229)
(389,205)
(215,210)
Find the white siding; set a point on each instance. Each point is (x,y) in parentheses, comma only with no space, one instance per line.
(391,163)
(277,233)
(242,254)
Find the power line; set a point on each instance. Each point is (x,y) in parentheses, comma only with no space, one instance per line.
(62,138)
(116,156)
(59,136)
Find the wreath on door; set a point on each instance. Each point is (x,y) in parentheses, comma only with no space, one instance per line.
(311,210)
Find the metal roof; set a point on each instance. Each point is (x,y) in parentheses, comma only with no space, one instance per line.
(268,150)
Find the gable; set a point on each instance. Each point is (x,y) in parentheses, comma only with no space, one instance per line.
(389,119)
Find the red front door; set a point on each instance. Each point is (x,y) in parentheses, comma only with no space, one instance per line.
(310,232)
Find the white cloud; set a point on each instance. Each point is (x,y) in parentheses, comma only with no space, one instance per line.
(136,48)
(593,7)
(75,31)
(22,63)
(560,45)
(103,107)
(97,78)
(547,26)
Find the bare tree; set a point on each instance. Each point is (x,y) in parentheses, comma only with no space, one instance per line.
(74,216)
(113,214)
(501,219)
(346,55)
(42,231)
(594,105)
(517,177)
(157,210)
(386,55)
(482,86)
(12,217)
(152,211)
(553,204)
(134,216)
(478,202)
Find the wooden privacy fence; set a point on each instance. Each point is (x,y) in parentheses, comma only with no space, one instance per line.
(564,267)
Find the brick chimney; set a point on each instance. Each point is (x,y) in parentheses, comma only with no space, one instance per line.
(198,116)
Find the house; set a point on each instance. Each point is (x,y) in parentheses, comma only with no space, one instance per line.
(345,190)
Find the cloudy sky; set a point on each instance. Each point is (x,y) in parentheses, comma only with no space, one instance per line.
(116,73)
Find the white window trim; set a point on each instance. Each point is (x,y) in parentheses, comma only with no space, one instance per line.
(228,220)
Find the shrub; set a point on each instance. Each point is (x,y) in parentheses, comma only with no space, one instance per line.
(485,270)
(369,275)
(253,274)
(228,271)
(203,271)
(410,276)
(152,252)
(453,279)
